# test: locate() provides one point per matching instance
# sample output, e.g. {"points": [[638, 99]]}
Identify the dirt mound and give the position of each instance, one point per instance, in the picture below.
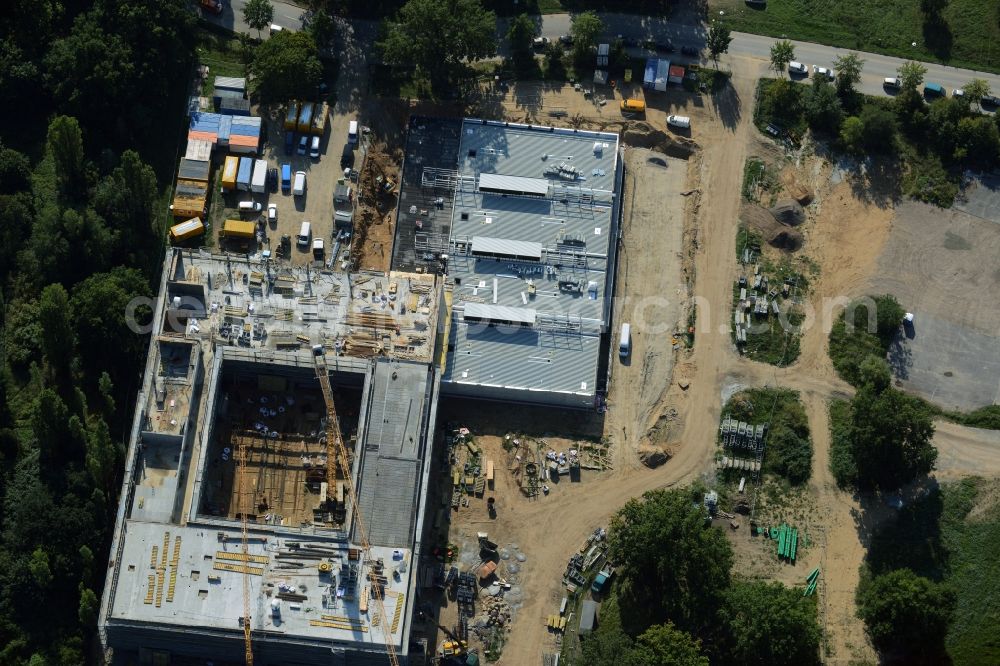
{"points": [[774, 233], [643, 135], [653, 457], [800, 193], [788, 211]]}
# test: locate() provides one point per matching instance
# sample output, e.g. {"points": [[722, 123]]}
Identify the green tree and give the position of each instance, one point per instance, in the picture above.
{"points": [[911, 75], [103, 456], [585, 30], [88, 608], [665, 645], [125, 200], [438, 35], [889, 435], [943, 117], [287, 66], [822, 106], [58, 340], [879, 134], [15, 171], [672, 566], [718, 41], [782, 53], [975, 90], [38, 564], [65, 146], [555, 66], [768, 623], [906, 615], [322, 27], [851, 133], [258, 14], [848, 68], [521, 34], [978, 138]]}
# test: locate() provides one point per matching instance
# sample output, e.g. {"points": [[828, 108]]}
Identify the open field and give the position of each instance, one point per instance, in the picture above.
{"points": [[967, 38]]}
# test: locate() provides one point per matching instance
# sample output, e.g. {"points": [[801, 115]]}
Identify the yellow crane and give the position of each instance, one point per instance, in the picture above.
{"points": [[334, 442], [241, 474]]}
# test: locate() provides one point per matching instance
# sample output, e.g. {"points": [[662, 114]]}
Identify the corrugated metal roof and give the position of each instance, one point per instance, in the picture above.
{"points": [[231, 82], [193, 169], [198, 150], [225, 128], [499, 313], [235, 105], [588, 616], [495, 182], [506, 247]]}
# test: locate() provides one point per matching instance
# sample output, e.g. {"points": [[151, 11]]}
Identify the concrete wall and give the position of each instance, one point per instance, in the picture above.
{"points": [[517, 396]]}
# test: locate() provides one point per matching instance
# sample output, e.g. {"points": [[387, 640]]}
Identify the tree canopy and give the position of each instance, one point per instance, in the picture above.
{"points": [[718, 41], [782, 53], [258, 14], [437, 35], [287, 66], [911, 75], [672, 565], [768, 623], [906, 615], [585, 30]]}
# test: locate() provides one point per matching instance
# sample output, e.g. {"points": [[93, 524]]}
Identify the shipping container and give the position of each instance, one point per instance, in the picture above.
{"points": [[319, 119], [305, 117], [220, 96], [225, 129], [189, 199], [235, 106], [244, 145], [244, 174], [194, 170], [662, 75], [676, 74], [292, 117], [231, 83], [211, 137], [198, 150], [186, 230], [649, 77], [259, 181], [229, 171], [238, 229]]}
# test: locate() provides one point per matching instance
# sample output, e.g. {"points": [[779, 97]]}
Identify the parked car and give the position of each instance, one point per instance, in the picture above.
{"points": [[891, 83], [991, 100], [213, 6], [824, 71], [289, 142], [314, 148], [665, 46], [934, 90], [272, 213], [250, 206], [692, 51], [566, 40], [681, 122], [539, 43], [628, 41], [303, 145], [286, 178], [798, 68], [272, 179], [958, 92]]}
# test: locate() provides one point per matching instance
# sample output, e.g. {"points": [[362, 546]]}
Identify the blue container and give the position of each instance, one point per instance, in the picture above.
{"points": [[225, 128], [244, 173]]}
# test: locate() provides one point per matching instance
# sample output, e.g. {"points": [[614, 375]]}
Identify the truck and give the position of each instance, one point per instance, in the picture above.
{"points": [[319, 119], [229, 172], [292, 117], [259, 181], [286, 178], [305, 117], [240, 229], [186, 230], [602, 578], [318, 248], [680, 122]]}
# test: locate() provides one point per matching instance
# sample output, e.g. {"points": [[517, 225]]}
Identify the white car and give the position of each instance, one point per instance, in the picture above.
{"points": [[958, 92], [682, 122], [272, 213], [824, 71], [798, 68], [890, 82]]}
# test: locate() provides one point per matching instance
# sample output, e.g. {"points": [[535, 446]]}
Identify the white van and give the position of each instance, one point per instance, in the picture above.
{"points": [[299, 186], [305, 233], [352, 132], [250, 206], [682, 122], [797, 68], [625, 341]]}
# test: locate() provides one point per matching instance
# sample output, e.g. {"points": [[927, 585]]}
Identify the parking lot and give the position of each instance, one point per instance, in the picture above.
{"points": [[315, 206]]}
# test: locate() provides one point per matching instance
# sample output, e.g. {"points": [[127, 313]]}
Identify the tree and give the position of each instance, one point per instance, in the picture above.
{"points": [[672, 566], [911, 75], [822, 106], [889, 434], [943, 118], [125, 199], [287, 66], [975, 90], [718, 41], [438, 35], [768, 623], [906, 615], [979, 139], [879, 134], [103, 456], [585, 29], [38, 565], [258, 14], [555, 67], [665, 645], [88, 608], [782, 53], [65, 146], [58, 340], [521, 35], [15, 171], [851, 132], [848, 69], [322, 27]]}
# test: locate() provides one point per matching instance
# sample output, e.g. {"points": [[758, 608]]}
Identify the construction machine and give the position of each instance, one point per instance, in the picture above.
{"points": [[335, 445]]}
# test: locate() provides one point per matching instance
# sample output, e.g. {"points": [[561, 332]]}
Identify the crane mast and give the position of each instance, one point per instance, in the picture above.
{"points": [[334, 443], [241, 472]]}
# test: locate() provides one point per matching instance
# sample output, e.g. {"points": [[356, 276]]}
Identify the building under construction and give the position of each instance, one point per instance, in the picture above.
{"points": [[231, 425]]}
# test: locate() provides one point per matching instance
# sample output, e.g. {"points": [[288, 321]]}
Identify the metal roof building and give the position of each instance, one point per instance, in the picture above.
{"points": [[531, 255]]}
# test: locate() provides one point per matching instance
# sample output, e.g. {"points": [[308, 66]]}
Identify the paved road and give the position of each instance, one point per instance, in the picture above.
{"points": [[286, 15]]}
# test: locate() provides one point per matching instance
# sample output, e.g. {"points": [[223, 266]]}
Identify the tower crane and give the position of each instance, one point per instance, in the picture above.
{"points": [[334, 443], [241, 473]]}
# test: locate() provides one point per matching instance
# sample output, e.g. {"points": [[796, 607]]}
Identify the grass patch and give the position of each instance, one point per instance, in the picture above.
{"points": [[779, 104], [223, 55], [867, 333], [747, 239], [757, 179], [985, 417], [841, 463], [967, 37], [772, 338], [789, 448], [927, 178]]}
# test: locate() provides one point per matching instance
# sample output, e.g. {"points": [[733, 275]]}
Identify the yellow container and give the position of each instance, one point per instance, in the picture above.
{"points": [[229, 172], [238, 229], [185, 230], [633, 106]]}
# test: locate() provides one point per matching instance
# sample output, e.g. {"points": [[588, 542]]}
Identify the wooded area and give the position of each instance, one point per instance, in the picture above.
{"points": [[94, 100]]}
